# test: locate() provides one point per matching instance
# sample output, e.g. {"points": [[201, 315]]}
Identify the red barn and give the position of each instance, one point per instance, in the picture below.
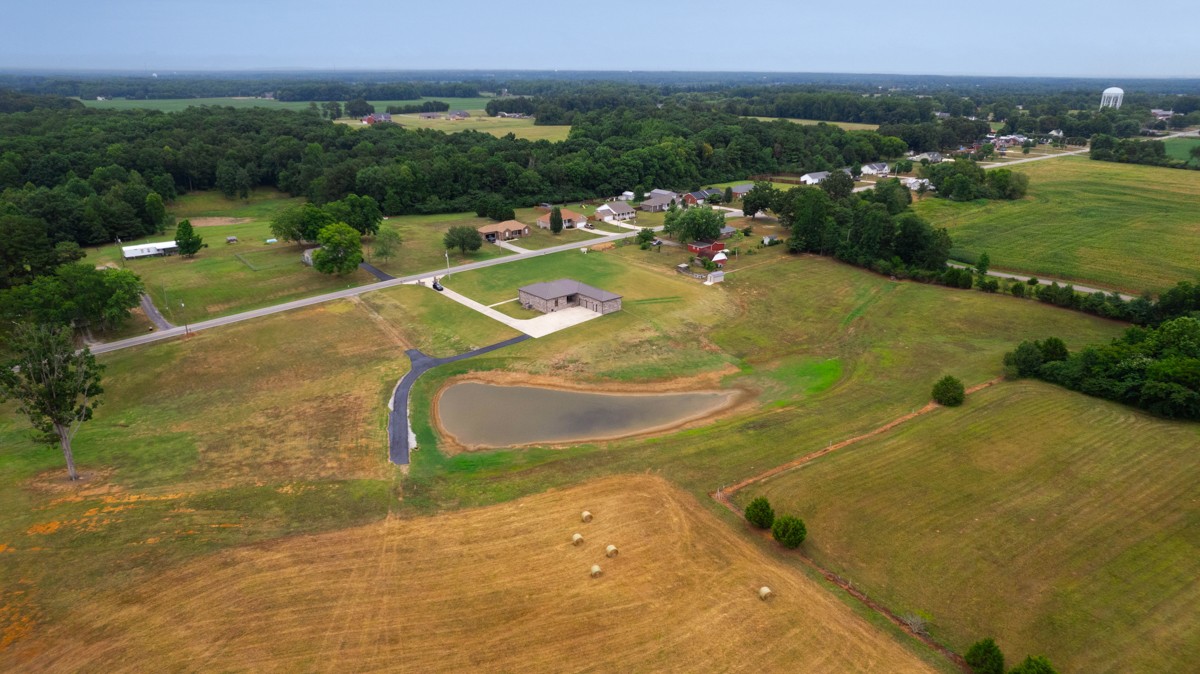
{"points": [[705, 246]]}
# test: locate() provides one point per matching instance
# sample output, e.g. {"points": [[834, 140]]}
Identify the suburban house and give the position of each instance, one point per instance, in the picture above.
{"points": [[933, 157], [740, 191], [879, 169], [616, 210], [915, 184], [701, 247], [564, 293], [503, 231], [698, 198], [150, 249], [571, 219], [626, 196], [814, 178], [656, 204], [663, 193], [728, 231]]}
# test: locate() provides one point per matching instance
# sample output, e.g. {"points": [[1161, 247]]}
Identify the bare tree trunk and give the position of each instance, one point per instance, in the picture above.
{"points": [[64, 439]]}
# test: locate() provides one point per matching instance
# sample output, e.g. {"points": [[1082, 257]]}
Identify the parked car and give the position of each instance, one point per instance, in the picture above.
{"points": [[437, 286]]}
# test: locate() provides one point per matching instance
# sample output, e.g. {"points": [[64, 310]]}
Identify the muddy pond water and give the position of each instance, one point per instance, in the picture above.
{"points": [[488, 415]]}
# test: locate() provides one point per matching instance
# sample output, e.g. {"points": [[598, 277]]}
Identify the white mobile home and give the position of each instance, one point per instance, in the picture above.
{"points": [[150, 249]]}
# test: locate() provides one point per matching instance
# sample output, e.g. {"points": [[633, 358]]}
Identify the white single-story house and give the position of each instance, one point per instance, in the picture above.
{"points": [[663, 193], [878, 169], [915, 184], [150, 249], [656, 204], [570, 219], [814, 178], [933, 157], [626, 196], [616, 210]]}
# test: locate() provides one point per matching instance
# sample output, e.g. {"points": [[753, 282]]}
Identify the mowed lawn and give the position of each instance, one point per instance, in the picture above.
{"points": [[228, 278], [1181, 149], [1057, 523], [423, 248], [1118, 226]]}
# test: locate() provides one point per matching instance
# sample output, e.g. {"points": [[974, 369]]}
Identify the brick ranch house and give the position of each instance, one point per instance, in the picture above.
{"points": [[564, 293], [503, 231], [571, 219]]}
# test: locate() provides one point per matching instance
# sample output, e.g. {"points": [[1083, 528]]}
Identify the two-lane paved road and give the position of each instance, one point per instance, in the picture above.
{"points": [[342, 294]]}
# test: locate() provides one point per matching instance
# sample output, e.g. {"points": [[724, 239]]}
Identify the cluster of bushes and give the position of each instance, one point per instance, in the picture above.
{"points": [[426, 106], [1131, 151], [788, 530], [1154, 368], [492, 206], [985, 657], [965, 180], [305, 222]]}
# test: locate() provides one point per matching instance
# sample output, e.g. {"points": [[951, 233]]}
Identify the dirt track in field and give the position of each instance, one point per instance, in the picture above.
{"points": [[217, 222], [496, 589]]}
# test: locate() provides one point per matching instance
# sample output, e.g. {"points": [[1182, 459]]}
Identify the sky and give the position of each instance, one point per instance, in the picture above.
{"points": [[1098, 38]]}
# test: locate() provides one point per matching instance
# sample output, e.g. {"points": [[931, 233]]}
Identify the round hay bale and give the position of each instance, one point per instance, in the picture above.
{"points": [[596, 571], [610, 551], [764, 593], [586, 516], [577, 539]]}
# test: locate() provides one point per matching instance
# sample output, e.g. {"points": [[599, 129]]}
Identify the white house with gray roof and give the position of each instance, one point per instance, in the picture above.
{"points": [[616, 210], [814, 178]]}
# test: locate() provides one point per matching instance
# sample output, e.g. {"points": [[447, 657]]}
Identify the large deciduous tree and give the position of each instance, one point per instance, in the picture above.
{"points": [[300, 223], [188, 240], [385, 244], [760, 197], [699, 224], [341, 249], [361, 213], [463, 238], [53, 384]]}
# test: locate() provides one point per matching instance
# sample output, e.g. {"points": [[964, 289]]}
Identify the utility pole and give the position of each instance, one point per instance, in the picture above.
{"points": [[447, 264], [186, 330]]}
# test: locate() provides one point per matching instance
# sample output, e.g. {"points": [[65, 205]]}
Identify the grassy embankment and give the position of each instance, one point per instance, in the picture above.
{"points": [[1058, 523], [1119, 226], [275, 427]]}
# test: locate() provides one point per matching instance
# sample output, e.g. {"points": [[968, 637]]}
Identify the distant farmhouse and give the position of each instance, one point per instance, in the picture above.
{"points": [[879, 169], [933, 157], [150, 250], [571, 219], [377, 117], [616, 210], [459, 114], [814, 178], [740, 191], [503, 231], [565, 293]]}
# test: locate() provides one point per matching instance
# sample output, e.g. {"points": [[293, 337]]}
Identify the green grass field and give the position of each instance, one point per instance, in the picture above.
{"points": [[1181, 148], [273, 427], [177, 104], [497, 126], [1118, 226], [1057, 523], [849, 126], [423, 250]]}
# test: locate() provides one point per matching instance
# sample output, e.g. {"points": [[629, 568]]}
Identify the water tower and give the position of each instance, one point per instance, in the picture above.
{"points": [[1112, 97]]}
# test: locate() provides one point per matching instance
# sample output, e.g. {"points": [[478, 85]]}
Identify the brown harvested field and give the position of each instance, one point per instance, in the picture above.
{"points": [[496, 589], [218, 222]]}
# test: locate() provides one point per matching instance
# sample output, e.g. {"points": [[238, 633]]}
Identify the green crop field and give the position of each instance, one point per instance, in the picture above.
{"points": [[1181, 148], [849, 126], [1057, 523], [479, 121], [1118, 226], [177, 104]]}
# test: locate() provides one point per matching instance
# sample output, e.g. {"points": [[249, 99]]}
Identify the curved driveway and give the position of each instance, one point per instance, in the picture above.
{"points": [[399, 423]]}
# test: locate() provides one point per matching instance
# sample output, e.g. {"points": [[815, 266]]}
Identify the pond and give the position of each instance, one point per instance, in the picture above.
{"points": [[488, 415]]}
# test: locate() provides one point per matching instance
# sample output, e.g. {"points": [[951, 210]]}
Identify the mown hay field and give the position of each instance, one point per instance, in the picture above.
{"points": [[496, 589], [1117, 226], [1057, 523]]}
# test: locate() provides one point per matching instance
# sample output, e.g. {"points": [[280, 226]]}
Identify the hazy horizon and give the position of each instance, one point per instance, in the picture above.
{"points": [[771, 37]]}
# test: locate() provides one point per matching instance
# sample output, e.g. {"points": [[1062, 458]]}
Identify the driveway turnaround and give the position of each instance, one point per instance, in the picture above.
{"points": [[534, 327], [401, 440]]}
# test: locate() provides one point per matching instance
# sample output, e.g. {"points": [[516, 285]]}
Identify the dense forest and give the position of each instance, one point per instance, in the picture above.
{"points": [[89, 174]]}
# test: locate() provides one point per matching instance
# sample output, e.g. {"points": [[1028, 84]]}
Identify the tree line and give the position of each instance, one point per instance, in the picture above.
{"points": [[1131, 151], [1153, 368]]}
